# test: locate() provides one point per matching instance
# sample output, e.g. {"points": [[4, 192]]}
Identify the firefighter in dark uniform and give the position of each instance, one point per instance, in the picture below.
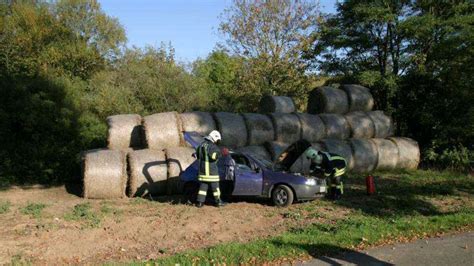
{"points": [[332, 166], [208, 153]]}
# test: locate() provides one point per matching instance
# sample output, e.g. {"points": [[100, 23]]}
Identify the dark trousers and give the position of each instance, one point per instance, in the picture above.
{"points": [[336, 187], [203, 191]]}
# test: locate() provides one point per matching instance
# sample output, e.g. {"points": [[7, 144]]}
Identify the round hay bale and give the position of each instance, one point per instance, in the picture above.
{"points": [[104, 173], [275, 148], [258, 151], [387, 154], [162, 130], [319, 146], [408, 153], [287, 127], [148, 173], [124, 131], [364, 154], [336, 126], [360, 124], [360, 98], [178, 159], [200, 122], [259, 128], [340, 147], [312, 127], [276, 104], [327, 100], [232, 128], [383, 125]]}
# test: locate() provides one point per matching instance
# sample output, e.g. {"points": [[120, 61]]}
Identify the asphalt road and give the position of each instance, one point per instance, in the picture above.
{"points": [[448, 250]]}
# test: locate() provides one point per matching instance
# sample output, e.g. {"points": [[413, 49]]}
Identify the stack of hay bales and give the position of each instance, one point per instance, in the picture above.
{"points": [[338, 121], [276, 104]]}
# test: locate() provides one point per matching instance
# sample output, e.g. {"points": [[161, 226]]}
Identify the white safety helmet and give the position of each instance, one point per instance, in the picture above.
{"points": [[214, 136]]}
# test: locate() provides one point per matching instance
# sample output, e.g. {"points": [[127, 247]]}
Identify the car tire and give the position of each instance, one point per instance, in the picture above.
{"points": [[282, 196], [191, 191]]}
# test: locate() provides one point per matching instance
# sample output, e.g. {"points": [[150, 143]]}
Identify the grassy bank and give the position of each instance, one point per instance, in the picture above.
{"points": [[407, 205]]}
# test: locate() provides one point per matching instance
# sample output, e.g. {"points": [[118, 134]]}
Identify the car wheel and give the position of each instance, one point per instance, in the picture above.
{"points": [[282, 196], [190, 191]]}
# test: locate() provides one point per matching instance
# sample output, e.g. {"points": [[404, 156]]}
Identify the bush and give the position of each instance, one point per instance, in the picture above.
{"points": [[457, 158]]}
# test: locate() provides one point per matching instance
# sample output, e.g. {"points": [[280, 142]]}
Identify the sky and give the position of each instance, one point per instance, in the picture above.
{"points": [[191, 26]]}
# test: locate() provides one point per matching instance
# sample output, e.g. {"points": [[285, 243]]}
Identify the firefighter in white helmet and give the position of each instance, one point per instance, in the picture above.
{"points": [[208, 153]]}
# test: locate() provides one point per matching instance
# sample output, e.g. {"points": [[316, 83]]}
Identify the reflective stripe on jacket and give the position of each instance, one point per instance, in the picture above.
{"points": [[332, 164], [208, 153]]}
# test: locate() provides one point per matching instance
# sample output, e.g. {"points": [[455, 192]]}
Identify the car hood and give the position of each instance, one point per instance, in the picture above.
{"points": [[193, 138], [290, 155]]}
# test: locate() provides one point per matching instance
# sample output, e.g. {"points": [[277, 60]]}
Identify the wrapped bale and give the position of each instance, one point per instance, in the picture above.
{"points": [[387, 154], [258, 151], [178, 159], [124, 131], [200, 122], [259, 128], [327, 100], [382, 124], [340, 147], [336, 126], [361, 126], [287, 127], [105, 174], [360, 98], [148, 173], [312, 127], [232, 128], [364, 154], [276, 104], [162, 130], [408, 153]]}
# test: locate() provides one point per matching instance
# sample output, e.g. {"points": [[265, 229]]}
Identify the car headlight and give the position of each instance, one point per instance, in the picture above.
{"points": [[310, 182]]}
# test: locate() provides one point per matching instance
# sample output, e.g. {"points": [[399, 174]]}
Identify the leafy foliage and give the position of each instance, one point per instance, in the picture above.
{"points": [[414, 55]]}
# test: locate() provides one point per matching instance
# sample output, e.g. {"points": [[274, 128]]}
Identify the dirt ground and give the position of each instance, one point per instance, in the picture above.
{"points": [[132, 229]]}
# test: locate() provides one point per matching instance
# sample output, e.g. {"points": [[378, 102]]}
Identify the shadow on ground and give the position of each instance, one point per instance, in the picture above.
{"points": [[396, 196], [335, 255]]}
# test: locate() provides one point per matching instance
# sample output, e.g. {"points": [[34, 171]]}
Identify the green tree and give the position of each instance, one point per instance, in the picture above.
{"points": [[270, 35], [414, 55]]}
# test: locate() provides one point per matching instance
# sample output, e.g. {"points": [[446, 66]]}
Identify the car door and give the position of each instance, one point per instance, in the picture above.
{"points": [[248, 180]]}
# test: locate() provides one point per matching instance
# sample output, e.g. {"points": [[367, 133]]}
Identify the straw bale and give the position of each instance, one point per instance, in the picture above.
{"points": [[200, 122], [383, 125], [124, 131], [312, 127], [360, 124], [360, 98], [364, 153], [232, 128], [287, 127], [327, 100], [276, 104], [341, 148], [162, 130], [387, 154], [259, 127], [258, 151], [178, 159], [408, 153], [148, 173], [104, 173], [336, 126]]}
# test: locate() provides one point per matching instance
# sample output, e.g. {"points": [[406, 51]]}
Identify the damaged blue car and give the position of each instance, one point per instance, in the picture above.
{"points": [[256, 177]]}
